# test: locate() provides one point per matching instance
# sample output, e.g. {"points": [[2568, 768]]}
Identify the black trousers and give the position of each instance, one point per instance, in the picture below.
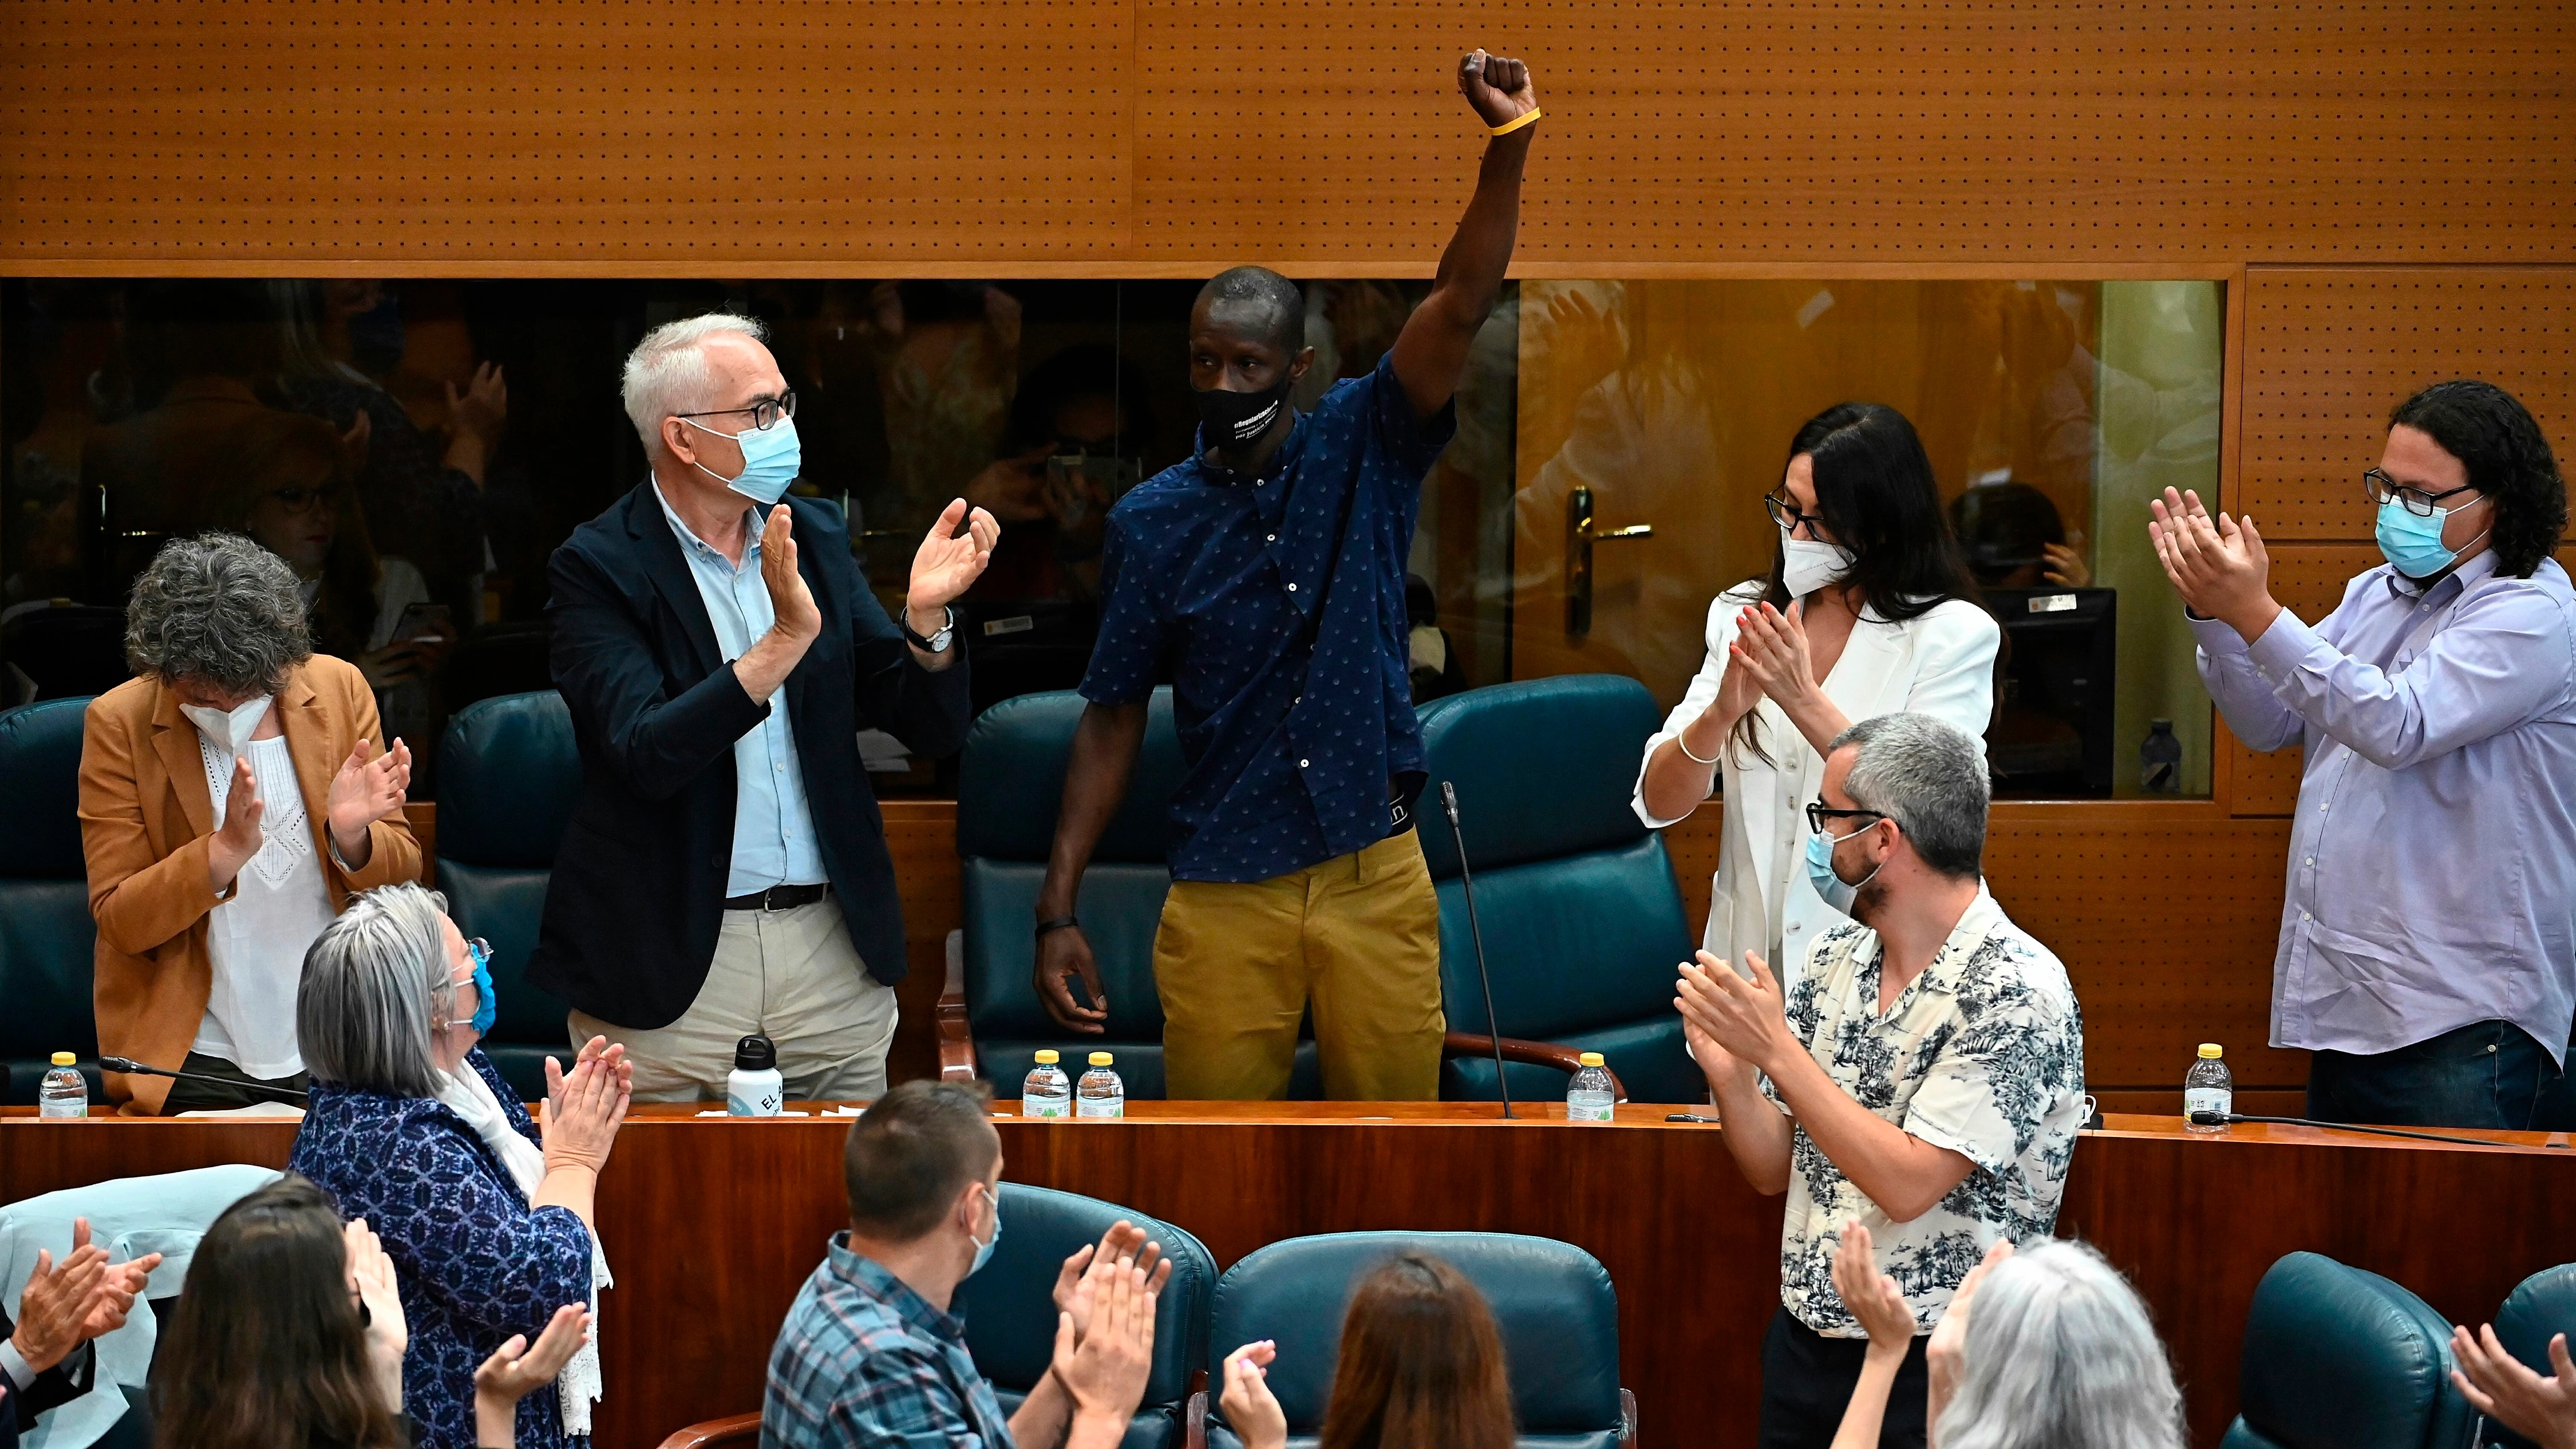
{"points": [[1807, 1382], [188, 1096]]}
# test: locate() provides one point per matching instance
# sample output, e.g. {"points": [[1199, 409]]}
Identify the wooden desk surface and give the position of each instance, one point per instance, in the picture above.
{"points": [[711, 1224]]}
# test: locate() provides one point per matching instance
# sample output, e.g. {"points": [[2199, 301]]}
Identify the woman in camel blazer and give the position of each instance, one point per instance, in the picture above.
{"points": [[232, 798]]}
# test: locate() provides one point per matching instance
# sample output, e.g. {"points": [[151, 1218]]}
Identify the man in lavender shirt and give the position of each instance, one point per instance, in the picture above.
{"points": [[2428, 942]]}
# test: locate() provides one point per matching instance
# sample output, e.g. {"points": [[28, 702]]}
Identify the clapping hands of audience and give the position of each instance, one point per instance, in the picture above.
{"points": [[69, 1303], [1727, 1019], [2218, 565], [364, 792], [1881, 1310], [1247, 1401], [519, 1368], [2499, 1386], [584, 1108], [1105, 1372], [1946, 1354], [1123, 1241], [371, 1279]]}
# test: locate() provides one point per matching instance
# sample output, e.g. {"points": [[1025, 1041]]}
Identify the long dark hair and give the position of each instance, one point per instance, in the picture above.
{"points": [[1875, 490], [2508, 459], [267, 1349], [1421, 1364]]}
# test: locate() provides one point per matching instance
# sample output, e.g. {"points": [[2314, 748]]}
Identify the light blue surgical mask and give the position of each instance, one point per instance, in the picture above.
{"points": [[487, 1007], [770, 459], [2414, 543], [1829, 885], [984, 1246]]}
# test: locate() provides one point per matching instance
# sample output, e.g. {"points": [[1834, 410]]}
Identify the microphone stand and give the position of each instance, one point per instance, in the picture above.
{"points": [[2226, 1119], [137, 1069], [1476, 933]]}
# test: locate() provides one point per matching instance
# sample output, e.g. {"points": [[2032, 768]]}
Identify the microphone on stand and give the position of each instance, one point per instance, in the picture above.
{"points": [[1476, 933], [134, 1068], [2224, 1119]]}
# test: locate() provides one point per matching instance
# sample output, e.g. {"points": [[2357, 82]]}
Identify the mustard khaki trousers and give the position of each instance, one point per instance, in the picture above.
{"points": [[1358, 936]]}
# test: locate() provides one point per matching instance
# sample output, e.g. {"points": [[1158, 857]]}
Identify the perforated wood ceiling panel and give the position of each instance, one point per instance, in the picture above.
{"points": [[1320, 134], [2329, 352]]}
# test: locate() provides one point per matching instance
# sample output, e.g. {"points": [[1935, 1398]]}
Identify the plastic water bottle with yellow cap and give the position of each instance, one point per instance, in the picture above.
{"points": [[1048, 1092], [64, 1092], [1589, 1096], [2208, 1087], [1100, 1093]]}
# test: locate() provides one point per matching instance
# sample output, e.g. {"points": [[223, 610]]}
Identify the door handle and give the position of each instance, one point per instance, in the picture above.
{"points": [[1579, 538]]}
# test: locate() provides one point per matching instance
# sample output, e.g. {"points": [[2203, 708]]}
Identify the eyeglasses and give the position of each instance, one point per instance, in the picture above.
{"points": [[2381, 488], [765, 412], [1785, 513], [1818, 814], [300, 500]]}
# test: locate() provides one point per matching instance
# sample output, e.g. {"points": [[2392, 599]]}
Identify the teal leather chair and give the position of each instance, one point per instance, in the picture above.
{"points": [[2336, 1358], [508, 776], [1010, 1310], [2540, 1308], [1552, 1301], [47, 939], [1583, 926], [1010, 781]]}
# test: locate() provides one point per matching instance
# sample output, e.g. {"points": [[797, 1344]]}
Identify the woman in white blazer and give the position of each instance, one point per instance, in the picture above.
{"points": [[1868, 610]]}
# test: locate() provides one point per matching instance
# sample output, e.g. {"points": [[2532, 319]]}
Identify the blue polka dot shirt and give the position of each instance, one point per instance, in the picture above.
{"points": [[1277, 603]]}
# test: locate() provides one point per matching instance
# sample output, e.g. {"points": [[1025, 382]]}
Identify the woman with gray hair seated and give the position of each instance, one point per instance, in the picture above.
{"points": [[488, 1217], [232, 799], [2045, 1348]]}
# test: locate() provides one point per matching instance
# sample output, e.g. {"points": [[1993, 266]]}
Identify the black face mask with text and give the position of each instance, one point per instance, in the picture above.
{"points": [[1233, 419]]}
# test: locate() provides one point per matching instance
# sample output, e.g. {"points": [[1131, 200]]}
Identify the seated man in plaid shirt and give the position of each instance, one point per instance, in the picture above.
{"points": [[870, 1354]]}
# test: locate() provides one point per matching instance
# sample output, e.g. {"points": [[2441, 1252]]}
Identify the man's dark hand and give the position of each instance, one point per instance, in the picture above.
{"points": [[1064, 955], [1499, 89]]}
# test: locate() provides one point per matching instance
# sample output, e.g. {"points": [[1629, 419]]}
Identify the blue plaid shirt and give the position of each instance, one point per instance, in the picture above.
{"points": [[1295, 729], [863, 1360]]}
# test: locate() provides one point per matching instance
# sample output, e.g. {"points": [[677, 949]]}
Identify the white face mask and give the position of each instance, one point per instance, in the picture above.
{"points": [[1806, 565], [228, 731]]}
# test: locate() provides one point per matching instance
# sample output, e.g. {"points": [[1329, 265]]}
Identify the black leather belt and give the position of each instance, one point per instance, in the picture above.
{"points": [[778, 898]]}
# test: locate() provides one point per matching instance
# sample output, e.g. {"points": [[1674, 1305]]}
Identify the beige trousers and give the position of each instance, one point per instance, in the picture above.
{"points": [[792, 976]]}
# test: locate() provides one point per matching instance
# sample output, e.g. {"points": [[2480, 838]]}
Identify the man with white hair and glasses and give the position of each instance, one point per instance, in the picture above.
{"points": [[725, 872], [1924, 1079]]}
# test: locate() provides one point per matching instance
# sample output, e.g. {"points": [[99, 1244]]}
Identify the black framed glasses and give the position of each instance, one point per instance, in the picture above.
{"points": [[2382, 488], [1818, 813], [1785, 513], [765, 412], [301, 500]]}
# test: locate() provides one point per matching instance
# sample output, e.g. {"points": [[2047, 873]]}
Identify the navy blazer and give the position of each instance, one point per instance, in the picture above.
{"points": [[637, 895]]}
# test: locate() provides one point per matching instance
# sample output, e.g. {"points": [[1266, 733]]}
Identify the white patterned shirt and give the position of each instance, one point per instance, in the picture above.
{"points": [[1982, 1054]]}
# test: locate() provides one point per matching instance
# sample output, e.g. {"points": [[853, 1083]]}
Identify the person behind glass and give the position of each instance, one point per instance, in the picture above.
{"points": [[1085, 401], [2044, 1349], [232, 799], [726, 872], [871, 1355], [45, 1355], [489, 1217], [291, 1331], [1924, 1078], [2428, 953], [1420, 1361], [1868, 610], [1266, 572]]}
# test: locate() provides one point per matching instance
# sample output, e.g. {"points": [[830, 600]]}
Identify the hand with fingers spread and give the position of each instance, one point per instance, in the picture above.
{"points": [[58, 1301], [1877, 1304], [112, 1298], [1124, 1243], [2217, 564], [1747, 1020], [1250, 1409], [519, 1368], [238, 838], [364, 792], [2506, 1390], [1105, 1374], [948, 563], [1946, 1353]]}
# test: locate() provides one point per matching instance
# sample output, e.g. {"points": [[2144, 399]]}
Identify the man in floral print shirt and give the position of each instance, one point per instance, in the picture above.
{"points": [[1925, 1078]]}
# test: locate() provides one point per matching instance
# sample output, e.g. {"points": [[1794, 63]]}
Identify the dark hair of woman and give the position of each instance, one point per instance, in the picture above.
{"points": [[267, 1350], [1421, 1364], [2508, 459], [1876, 493], [271, 450]]}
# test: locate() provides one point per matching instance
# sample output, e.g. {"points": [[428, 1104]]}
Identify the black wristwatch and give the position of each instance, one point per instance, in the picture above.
{"points": [[937, 643]]}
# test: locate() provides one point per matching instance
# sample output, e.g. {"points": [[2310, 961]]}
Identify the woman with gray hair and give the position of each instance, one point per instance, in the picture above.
{"points": [[232, 799], [487, 1215], [2045, 1348]]}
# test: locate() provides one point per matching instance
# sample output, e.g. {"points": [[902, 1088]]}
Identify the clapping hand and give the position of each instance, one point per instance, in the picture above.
{"points": [[1747, 1021], [238, 838], [583, 1112], [1771, 647], [371, 1277], [2219, 566], [1872, 1297], [1946, 1353], [597, 1049], [1124, 1243], [2499, 1386], [518, 1369], [949, 562], [1105, 1374], [794, 615], [1249, 1406], [364, 792], [1499, 89], [67, 1304]]}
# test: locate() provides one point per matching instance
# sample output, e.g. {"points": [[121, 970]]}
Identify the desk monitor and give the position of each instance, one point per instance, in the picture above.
{"points": [[2052, 736]]}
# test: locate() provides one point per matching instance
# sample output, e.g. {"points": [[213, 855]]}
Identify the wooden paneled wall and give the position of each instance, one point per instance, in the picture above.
{"points": [[811, 137]]}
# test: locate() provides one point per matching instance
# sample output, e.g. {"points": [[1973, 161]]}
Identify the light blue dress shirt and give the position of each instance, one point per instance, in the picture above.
{"points": [[2433, 859], [773, 827]]}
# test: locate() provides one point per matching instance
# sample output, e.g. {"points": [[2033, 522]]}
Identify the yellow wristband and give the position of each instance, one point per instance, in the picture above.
{"points": [[1516, 122]]}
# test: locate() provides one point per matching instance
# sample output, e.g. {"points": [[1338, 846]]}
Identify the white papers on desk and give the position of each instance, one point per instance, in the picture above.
{"points": [[754, 1119], [255, 1109]]}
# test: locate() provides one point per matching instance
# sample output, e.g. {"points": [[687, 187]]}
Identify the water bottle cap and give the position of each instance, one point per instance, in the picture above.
{"points": [[1047, 1058], [1101, 1059], [754, 1053], [1590, 1059], [64, 1059], [2209, 1051]]}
